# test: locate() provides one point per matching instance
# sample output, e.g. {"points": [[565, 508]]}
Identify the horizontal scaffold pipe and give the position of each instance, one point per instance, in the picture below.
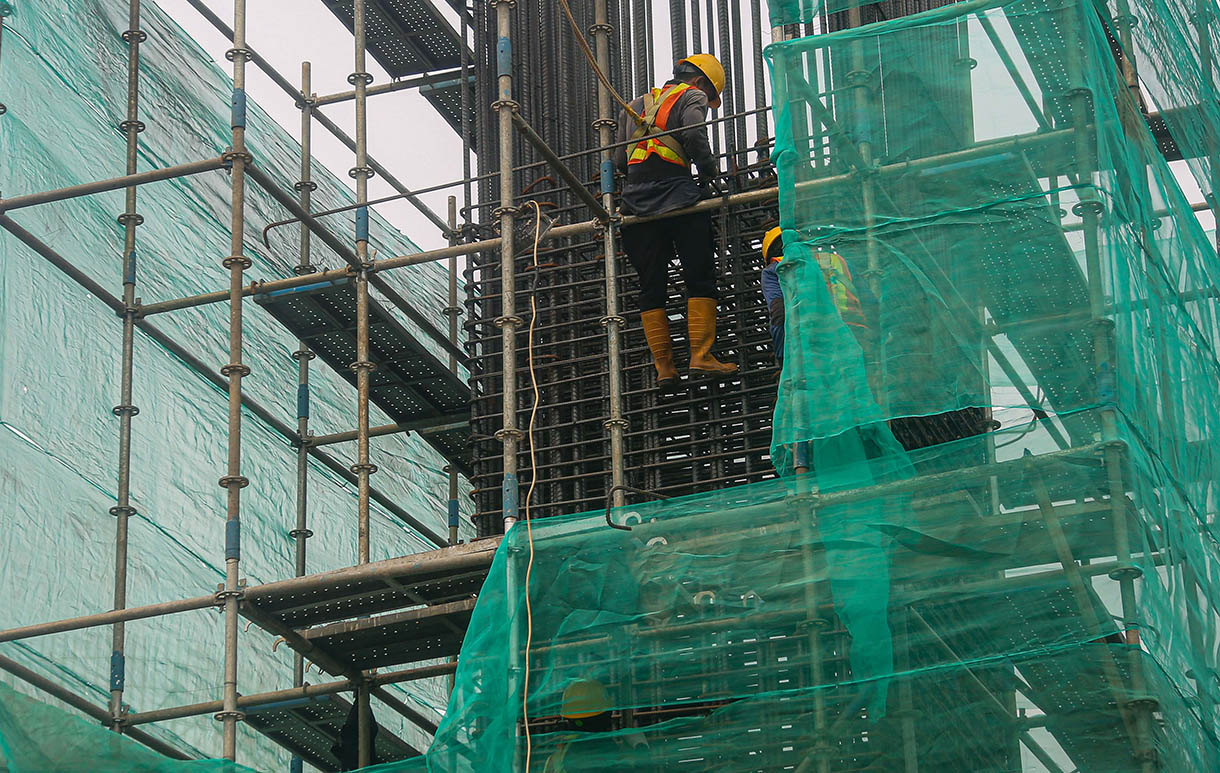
{"points": [[421, 427], [113, 184], [87, 708], [197, 365], [292, 693], [1032, 141], [108, 618], [434, 80]]}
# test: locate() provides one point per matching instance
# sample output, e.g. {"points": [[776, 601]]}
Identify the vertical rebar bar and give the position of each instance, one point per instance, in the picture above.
{"points": [[508, 322], [696, 32], [125, 410], [640, 46], [677, 28], [613, 321], [305, 187], [737, 81], [760, 75], [465, 117], [452, 311], [234, 481]]}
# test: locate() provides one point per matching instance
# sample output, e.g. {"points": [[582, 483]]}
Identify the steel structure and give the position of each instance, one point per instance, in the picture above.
{"points": [[600, 428]]}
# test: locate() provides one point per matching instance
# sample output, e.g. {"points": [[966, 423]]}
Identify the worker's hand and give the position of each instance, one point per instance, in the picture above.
{"points": [[709, 188]]}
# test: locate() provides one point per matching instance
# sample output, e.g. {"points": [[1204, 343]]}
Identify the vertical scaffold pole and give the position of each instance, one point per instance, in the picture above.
{"points": [[452, 310], [301, 533], [363, 365], [1137, 707], [613, 321], [508, 322], [234, 481], [125, 410]]}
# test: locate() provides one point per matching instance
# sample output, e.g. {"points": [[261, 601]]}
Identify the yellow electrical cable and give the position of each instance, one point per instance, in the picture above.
{"points": [[601, 76], [529, 494]]}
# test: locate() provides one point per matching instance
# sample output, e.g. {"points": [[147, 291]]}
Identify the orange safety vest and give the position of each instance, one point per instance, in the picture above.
{"points": [[839, 283], [657, 105]]}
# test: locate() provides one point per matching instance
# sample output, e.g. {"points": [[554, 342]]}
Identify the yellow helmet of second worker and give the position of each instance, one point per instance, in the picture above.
{"points": [[710, 66], [584, 698], [768, 239]]}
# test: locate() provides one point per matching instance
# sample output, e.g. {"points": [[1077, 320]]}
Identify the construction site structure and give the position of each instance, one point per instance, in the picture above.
{"points": [[977, 536]]}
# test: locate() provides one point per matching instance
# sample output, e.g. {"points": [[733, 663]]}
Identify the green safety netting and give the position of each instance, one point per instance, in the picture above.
{"points": [[63, 74], [1000, 551]]}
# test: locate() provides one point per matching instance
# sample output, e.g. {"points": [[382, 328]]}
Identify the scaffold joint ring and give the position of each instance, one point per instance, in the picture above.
{"points": [[303, 354], [499, 212], [221, 716], [138, 35], [137, 125], [452, 311], [357, 171], [118, 510], [612, 423], [236, 260], [596, 28], [306, 533], [502, 103], [245, 53], [509, 432], [612, 319], [360, 365], [356, 469], [3, 108], [130, 410], [512, 320], [304, 268], [510, 3], [301, 185], [1092, 206], [356, 76], [609, 123], [229, 156], [241, 481], [130, 217], [238, 368]]}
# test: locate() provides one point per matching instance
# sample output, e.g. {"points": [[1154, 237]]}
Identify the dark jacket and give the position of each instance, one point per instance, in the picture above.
{"points": [[656, 186]]}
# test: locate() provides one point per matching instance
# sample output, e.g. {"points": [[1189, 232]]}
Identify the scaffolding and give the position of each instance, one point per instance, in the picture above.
{"points": [[602, 432]]}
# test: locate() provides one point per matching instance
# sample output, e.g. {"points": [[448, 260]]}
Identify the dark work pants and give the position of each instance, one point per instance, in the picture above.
{"points": [[652, 246]]}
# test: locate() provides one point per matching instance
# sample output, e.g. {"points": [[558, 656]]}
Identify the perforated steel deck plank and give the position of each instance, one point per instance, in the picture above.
{"points": [[410, 383], [309, 727], [406, 37], [401, 637]]}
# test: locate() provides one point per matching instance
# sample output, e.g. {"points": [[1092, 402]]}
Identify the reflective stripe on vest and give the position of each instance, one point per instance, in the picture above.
{"points": [[657, 105], [840, 285]]}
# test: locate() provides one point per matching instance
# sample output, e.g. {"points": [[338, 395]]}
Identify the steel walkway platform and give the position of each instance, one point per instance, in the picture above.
{"points": [[394, 612], [410, 383], [309, 728]]}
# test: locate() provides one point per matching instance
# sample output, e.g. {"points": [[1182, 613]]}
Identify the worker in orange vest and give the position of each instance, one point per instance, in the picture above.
{"points": [[838, 283], [659, 180]]}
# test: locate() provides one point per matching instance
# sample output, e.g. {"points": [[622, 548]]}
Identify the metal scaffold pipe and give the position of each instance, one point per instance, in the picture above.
{"points": [[615, 423], [452, 310], [108, 618], [363, 365], [233, 481], [508, 321], [126, 410], [301, 533], [114, 183]]}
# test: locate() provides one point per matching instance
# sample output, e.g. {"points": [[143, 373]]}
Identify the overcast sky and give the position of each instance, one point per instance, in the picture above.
{"points": [[406, 134]]}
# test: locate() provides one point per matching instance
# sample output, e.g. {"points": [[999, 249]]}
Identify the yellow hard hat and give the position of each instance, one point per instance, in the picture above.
{"points": [[711, 67], [584, 698], [768, 239]]}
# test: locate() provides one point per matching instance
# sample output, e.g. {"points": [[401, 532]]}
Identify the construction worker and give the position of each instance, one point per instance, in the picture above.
{"points": [[838, 282], [657, 168], [585, 709]]}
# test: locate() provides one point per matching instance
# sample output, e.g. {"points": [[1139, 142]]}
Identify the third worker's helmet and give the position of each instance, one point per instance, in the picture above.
{"points": [[714, 71]]}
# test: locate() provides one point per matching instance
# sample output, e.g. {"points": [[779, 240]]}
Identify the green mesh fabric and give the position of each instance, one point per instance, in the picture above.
{"points": [[63, 73], [991, 546], [36, 737]]}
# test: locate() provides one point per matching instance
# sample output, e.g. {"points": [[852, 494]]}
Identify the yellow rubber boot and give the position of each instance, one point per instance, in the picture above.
{"points": [[656, 331], [701, 323]]}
